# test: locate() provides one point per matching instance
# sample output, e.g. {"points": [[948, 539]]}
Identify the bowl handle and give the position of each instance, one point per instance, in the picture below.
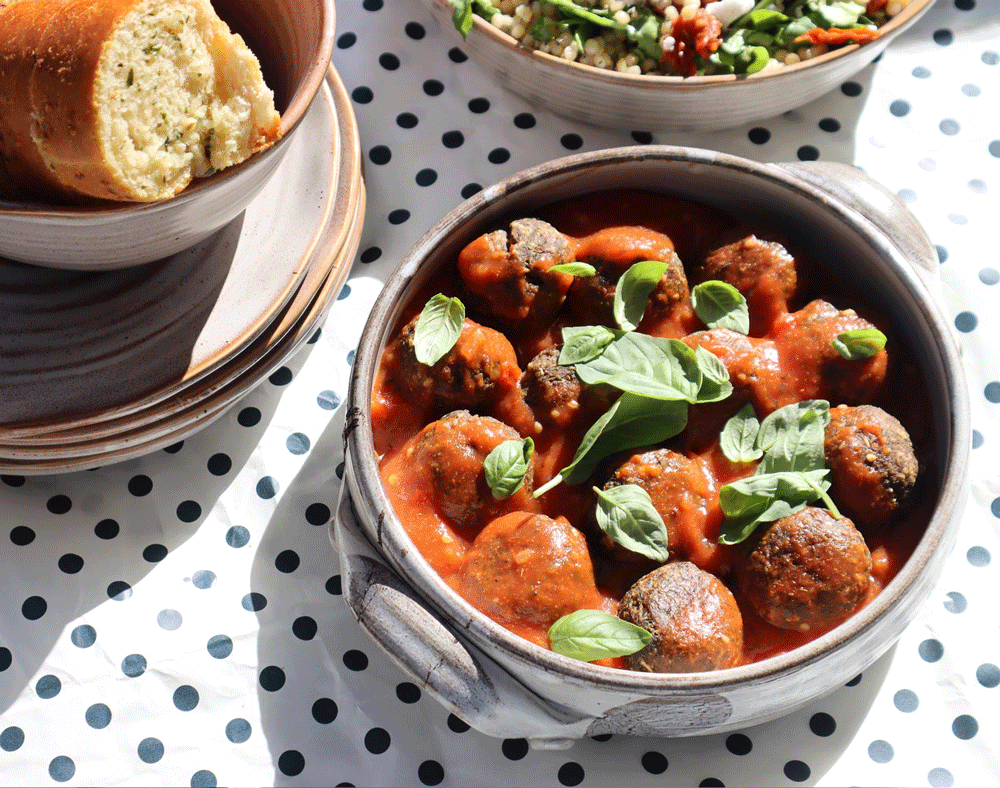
{"points": [[881, 208], [461, 677]]}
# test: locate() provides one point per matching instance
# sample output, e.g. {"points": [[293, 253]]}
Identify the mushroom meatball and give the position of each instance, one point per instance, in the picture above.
{"points": [[763, 271], [508, 272], [530, 568], [479, 369], [873, 468], [680, 493], [694, 619], [556, 395], [612, 252], [808, 570], [453, 450]]}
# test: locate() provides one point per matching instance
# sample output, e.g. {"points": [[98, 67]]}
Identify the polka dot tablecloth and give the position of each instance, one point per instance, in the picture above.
{"points": [[178, 619]]}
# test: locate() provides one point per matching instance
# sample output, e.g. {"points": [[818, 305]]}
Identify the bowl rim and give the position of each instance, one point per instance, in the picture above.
{"points": [[364, 474], [658, 81], [16, 209]]}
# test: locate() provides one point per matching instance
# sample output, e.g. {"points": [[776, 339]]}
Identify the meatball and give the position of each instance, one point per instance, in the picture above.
{"points": [[508, 272], [557, 396], [479, 369], [763, 271], [817, 370], [680, 493], [453, 450], [529, 568], [612, 252], [873, 468], [808, 570], [694, 619]]}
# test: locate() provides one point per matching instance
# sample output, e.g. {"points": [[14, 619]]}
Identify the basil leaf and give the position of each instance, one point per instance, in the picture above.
{"points": [[738, 440], [765, 498], [461, 16], [759, 57], [644, 32], [792, 437], [797, 27], [506, 467], [584, 343], [715, 385], [648, 366], [574, 269], [627, 515], [765, 19], [720, 305], [593, 634], [438, 328], [633, 290], [859, 343]]}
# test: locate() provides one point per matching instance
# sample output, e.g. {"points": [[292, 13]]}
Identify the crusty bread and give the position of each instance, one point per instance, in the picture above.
{"points": [[125, 99]]}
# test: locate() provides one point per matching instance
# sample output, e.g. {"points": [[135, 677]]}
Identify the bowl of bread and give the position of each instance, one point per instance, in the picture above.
{"points": [[132, 129]]}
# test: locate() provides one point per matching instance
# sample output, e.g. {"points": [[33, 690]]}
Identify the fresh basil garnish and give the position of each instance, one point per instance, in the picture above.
{"points": [[859, 343], [593, 634], [627, 515], [461, 15], [633, 290], [584, 343], [792, 437], [738, 440], [574, 269], [506, 467], [648, 366], [720, 305], [834, 13], [438, 328], [765, 498], [715, 385]]}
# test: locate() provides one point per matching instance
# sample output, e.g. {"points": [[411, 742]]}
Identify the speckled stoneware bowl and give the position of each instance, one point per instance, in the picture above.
{"points": [[657, 103], [506, 686], [293, 40]]}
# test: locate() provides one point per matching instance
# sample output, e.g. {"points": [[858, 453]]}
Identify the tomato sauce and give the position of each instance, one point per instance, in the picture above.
{"points": [[777, 364]]}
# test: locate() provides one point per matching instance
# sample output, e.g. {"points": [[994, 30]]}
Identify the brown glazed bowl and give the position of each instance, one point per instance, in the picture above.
{"points": [[293, 40], [508, 687]]}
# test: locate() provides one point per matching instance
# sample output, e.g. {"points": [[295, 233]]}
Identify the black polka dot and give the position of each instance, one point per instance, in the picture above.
{"points": [[11, 480], [930, 650], [169, 619], [388, 61], [398, 216], [405, 120], [992, 392], [944, 37], [59, 504], [415, 30], [453, 139], [380, 154], [642, 137], [155, 553], [797, 771], [514, 749], [34, 607], [134, 665], [971, 90], [602, 737], [880, 751], [830, 125], [808, 153], [377, 741], [855, 681], [98, 716], [22, 536], [966, 322], [267, 487], [237, 536], [62, 768], [339, 470], [329, 400], [571, 141], [70, 563], [6, 658], [248, 417], [426, 177], [990, 58], [355, 660], [956, 602], [185, 697], [525, 120], [219, 464], [469, 189], [654, 762], [173, 448], [106, 529], [988, 675], [408, 692], [940, 778], [188, 511], [711, 782], [318, 514], [977, 441], [965, 5], [499, 156], [203, 578], [899, 108], [150, 750], [906, 701], [324, 711], [282, 376], [48, 686], [456, 55], [822, 724], [430, 773], [965, 726], [362, 95], [203, 778], [287, 561], [942, 253], [333, 586], [238, 730], [950, 126], [851, 89], [291, 763], [739, 744], [254, 601], [433, 87], [272, 678], [994, 148], [479, 105], [220, 646], [759, 135], [83, 636], [304, 628], [140, 485], [346, 41], [457, 725], [11, 739], [571, 773]]}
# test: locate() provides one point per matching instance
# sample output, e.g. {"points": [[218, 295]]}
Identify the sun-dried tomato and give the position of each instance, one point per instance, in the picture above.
{"points": [[835, 36], [698, 34], [874, 6]]}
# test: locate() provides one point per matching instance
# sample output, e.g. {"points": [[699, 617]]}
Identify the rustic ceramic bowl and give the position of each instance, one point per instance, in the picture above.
{"points": [[508, 687], [654, 103], [293, 40]]}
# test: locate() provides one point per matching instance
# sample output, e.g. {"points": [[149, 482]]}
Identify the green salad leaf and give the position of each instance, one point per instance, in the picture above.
{"points": [[587, 635]]}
